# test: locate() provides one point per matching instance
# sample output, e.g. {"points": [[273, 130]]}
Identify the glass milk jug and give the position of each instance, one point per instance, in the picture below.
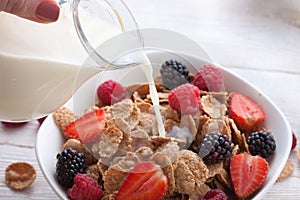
{"points": [[40, 62]]}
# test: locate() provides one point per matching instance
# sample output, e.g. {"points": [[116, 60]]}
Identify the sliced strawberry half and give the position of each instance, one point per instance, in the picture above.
{"points": [[87, 128], [145, 181], [245, 112], [247, 173]]}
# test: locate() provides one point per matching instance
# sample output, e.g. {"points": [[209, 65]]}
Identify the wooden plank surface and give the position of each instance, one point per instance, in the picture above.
{"points": [[259, 40]]}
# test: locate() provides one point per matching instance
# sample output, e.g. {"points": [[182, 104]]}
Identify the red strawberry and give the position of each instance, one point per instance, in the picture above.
{"points": [[13, 124], [88, 127], [145, 181], [294, 144], [247, 173], [111, 92], [209, 78], [41, 120], [245, 112], [185, 99]]}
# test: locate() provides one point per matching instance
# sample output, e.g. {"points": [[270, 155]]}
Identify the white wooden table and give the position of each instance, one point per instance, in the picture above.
{"points": [[259, 40]]}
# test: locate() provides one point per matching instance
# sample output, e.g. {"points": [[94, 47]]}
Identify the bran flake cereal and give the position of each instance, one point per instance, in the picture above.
{"points": [[212, 107], [63, 117]]}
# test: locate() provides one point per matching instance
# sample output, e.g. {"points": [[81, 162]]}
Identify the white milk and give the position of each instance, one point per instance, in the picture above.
{"points": [[155, 100], [39, 64], [148, 69]]}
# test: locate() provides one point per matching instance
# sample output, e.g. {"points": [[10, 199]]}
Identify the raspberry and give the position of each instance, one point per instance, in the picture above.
{"points": [[111, 92], [185, 99], [69, 164], [209, 78], [174, 74], [215, 147], [261, 143], [294, 144], [215, 194], [85, 188]]}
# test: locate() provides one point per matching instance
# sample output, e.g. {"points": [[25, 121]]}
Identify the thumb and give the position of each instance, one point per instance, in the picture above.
{"points": [[36, 10]]}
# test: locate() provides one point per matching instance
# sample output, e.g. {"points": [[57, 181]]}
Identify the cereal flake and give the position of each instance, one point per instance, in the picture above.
{"points": [[286, 172]]}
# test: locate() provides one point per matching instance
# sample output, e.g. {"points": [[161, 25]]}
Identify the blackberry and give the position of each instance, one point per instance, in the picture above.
{"points": [[261, 143], [215, 147], [69, 164], [174, 74]]}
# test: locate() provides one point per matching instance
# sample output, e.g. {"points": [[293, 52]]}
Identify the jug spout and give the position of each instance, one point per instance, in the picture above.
{"points": [[112, 11]]}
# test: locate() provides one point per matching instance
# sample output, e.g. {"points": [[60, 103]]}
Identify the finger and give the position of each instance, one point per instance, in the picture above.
{"points": [[36, 10]]}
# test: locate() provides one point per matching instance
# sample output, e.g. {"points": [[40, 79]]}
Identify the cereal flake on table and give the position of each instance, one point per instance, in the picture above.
{"points": [[286, 172], [20, 175]]}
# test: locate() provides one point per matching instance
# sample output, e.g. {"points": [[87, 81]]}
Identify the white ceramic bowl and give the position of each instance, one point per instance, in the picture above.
{"points": [[49, 139]]}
